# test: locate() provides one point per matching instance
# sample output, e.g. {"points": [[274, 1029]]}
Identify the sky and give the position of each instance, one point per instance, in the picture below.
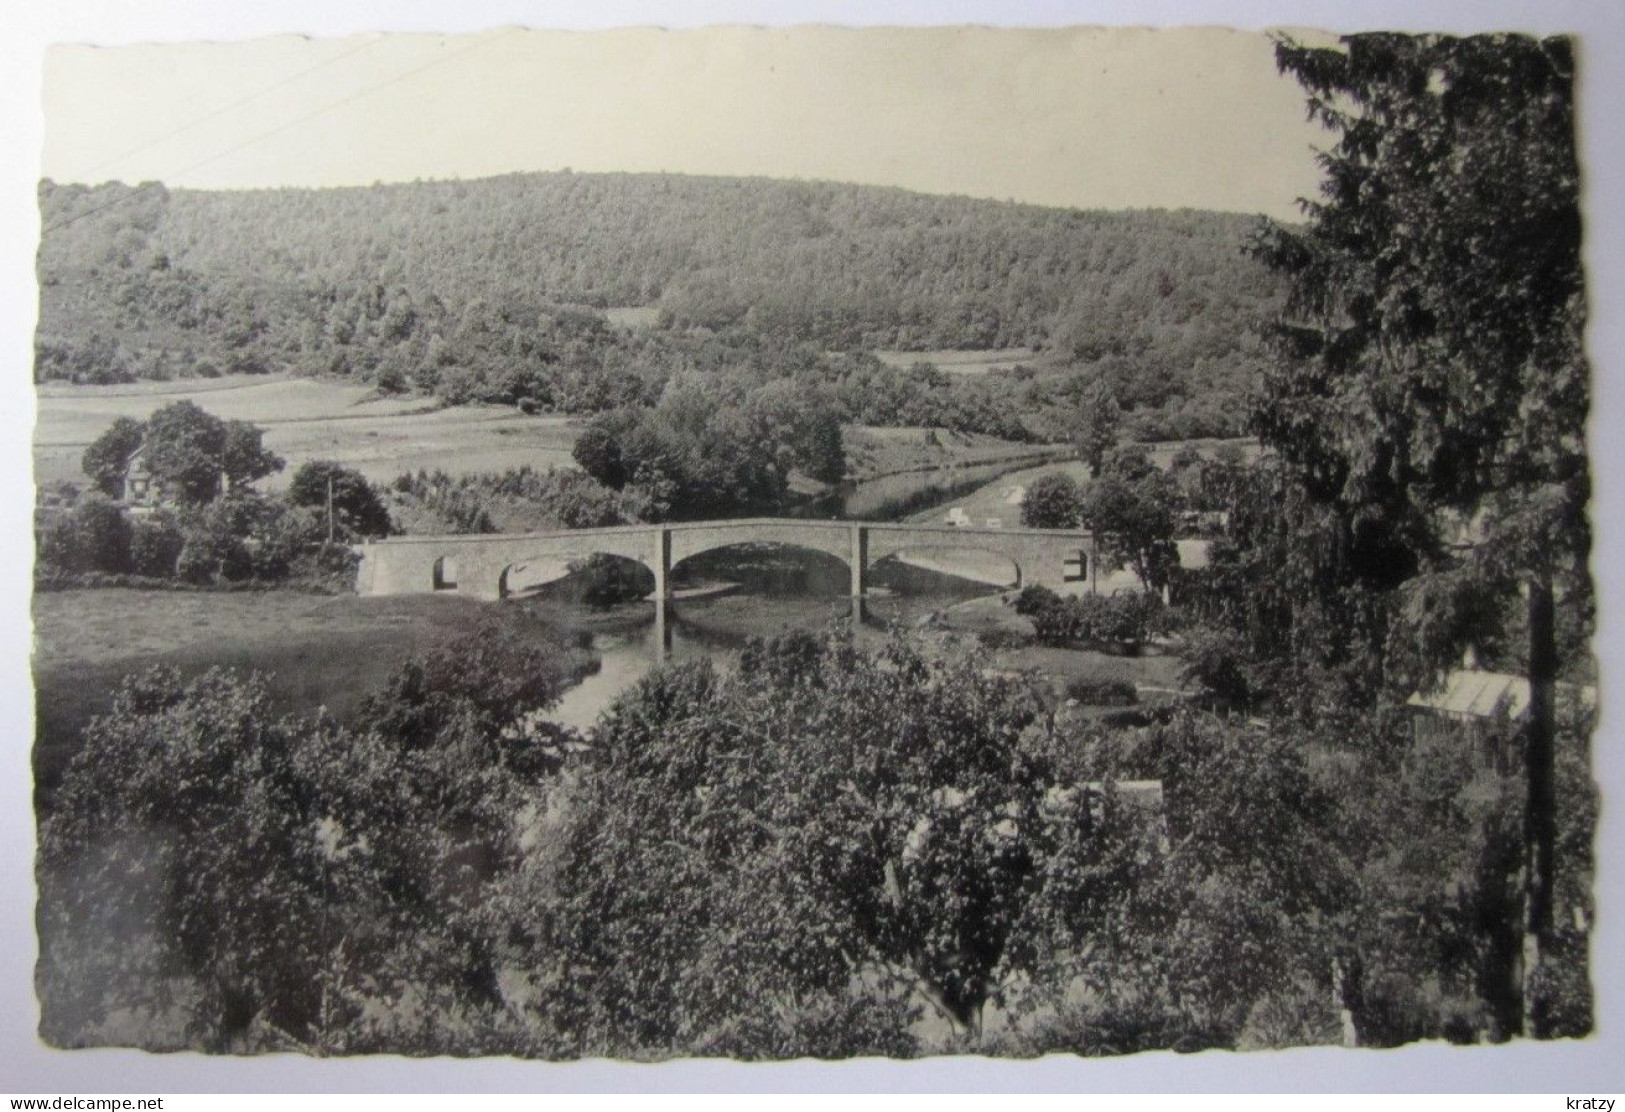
{"points": [[1088, 118]]}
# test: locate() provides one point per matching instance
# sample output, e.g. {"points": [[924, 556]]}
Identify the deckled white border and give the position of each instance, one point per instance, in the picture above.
{"points": [[1597, 1065]]}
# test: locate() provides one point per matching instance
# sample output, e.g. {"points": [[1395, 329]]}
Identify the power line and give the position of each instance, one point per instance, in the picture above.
{"points": [[296, 121], [223, 109]]}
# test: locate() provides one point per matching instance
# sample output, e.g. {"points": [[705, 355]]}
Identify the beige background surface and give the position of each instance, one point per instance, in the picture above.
{"points": [[1593, 1066]]}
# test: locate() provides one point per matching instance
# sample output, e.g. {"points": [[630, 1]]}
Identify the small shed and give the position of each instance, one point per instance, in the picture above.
{"points": [[1474, 702]]}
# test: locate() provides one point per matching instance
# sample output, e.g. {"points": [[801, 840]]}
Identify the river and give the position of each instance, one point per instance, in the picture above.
{"points": [[723, 598]]}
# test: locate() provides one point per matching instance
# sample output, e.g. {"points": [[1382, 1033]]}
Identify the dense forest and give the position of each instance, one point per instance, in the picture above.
{"points": [[490, 290]]}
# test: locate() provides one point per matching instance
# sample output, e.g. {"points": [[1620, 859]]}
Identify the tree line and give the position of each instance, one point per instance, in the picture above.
{"points": [[202, 522], [487, 290]]}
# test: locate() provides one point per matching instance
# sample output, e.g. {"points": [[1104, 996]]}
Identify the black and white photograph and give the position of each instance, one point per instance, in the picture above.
{"points": [[761, 543]]}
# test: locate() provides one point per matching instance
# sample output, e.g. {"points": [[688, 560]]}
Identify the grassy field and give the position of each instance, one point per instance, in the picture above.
{"points": [[872, 451], [316, 650], [999, 499], [310, 419]]}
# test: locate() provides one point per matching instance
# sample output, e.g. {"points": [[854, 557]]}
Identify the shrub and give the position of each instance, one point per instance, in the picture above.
{"points": [[1102, 693], [155, 546], [1123, 621], [1053, 501], [92, 536], [1216, 660]]}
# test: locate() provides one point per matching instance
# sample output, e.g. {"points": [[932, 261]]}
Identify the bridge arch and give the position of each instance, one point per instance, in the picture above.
{"points": [[530, 574], [759, 564], [832, 538], [445, 573]]}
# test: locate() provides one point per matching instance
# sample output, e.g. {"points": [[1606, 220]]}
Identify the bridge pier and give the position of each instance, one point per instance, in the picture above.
{"points": [[660, 564], [663, 623], [859, 560]]}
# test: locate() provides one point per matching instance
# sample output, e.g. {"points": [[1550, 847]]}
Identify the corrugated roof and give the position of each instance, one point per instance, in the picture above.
{"points": [[1488, 695]]}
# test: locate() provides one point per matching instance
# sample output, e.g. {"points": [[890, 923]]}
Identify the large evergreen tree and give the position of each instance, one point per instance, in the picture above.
{"points": [[1433, 392]]}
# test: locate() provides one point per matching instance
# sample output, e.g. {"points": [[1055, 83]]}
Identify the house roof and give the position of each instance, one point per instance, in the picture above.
{"points": [[1470, 692], [1193, 554]]}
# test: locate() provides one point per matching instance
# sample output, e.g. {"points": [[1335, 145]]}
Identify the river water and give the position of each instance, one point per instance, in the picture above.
{"points": [[725, 597], [743, 592]]}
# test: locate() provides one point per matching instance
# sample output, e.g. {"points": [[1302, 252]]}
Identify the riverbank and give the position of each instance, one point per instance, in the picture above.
{"points": [[328, 651]]}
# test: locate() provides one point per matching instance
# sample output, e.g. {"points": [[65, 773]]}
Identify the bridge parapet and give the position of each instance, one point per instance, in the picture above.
{"points": [[478, 564]]}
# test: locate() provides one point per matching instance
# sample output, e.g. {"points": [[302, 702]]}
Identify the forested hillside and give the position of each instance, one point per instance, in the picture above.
{"points": [[485, 289]]}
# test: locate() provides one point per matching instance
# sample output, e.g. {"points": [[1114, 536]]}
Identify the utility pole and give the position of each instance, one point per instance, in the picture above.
{"points": [[329, 509], [1540, 805]]}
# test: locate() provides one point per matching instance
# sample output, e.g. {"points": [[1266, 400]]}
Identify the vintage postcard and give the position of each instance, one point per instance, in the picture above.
{"points": [[779, 542]]}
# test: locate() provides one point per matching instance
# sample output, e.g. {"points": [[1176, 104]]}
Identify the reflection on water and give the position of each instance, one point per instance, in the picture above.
{"points": [[749, 591], [777, 590], [892, 497]]}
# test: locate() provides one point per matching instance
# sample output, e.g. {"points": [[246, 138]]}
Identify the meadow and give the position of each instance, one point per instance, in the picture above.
{"points": [[316, 651], [307, 419], [384, 436], [1001, 499]]}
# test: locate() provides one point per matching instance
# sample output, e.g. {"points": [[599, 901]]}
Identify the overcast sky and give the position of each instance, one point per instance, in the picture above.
{"points": [[1089, 118]]}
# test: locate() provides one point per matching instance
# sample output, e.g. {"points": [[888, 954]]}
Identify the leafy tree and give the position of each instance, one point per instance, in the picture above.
{"points": [[357, 508], [93, 535], [755, 851], [1098, 424], [1241, 913], [802, 422], [244, 457], [598, 450], [191, 855], [1134, 520], [108, 456], [381, 845], [1435, 369], [1053, 501], [186, 451]]}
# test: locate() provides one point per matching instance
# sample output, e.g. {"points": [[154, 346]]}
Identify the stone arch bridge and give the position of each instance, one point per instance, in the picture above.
{"points": [[479, 564]]}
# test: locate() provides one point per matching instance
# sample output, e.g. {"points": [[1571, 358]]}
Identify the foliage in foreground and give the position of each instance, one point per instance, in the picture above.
{"points": [[1121, 622], [831, 851]]}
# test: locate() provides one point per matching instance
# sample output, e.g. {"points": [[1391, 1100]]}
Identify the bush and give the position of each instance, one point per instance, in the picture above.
{"points": [[155, 546], [209, 558], [1122, 622], [1102, 693], [1053, 501], [92, 536], [1216, 660]]}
